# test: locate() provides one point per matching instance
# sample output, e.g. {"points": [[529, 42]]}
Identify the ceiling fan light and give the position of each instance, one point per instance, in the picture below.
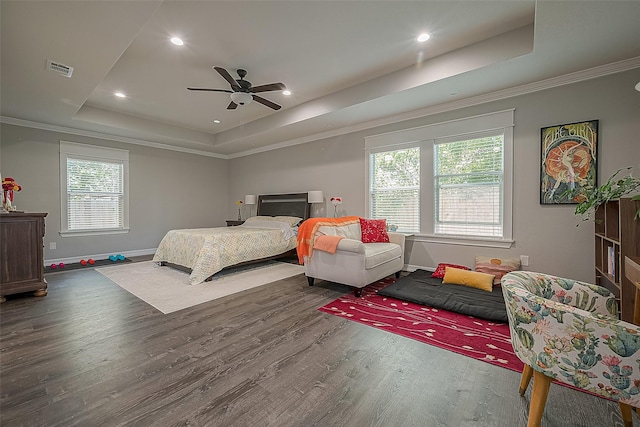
{"points": [[241, 98]]}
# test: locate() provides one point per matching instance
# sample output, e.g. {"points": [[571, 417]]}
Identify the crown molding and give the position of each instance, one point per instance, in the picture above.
{"points": [[106, 136], [575, 77]]}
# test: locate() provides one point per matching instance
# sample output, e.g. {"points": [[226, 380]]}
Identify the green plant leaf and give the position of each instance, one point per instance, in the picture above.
{"points": [[591, 197]]}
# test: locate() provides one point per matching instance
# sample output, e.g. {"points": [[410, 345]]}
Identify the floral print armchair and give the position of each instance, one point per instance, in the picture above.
{"points": [[568, 331]]}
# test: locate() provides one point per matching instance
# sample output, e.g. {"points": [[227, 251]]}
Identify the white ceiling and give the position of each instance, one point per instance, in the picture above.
{"points": [[348, 63]]}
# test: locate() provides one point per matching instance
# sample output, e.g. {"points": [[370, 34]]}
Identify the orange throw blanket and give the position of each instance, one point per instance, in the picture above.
{"points": [[307, 233], [327, 243]]}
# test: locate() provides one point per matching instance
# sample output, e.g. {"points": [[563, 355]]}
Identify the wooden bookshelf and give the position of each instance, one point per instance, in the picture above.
{"points": [[617, 235]]}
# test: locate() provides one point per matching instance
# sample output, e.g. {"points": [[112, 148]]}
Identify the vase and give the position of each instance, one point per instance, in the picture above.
{"points": [[239, 217], [6, 202]]}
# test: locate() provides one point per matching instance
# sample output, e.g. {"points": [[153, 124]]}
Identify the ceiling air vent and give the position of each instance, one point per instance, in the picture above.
{"points": [[56, 67]]}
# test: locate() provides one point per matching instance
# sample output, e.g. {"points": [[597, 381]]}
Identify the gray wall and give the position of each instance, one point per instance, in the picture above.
{"points": [[167, 190], [548, 234], [176, 190]]}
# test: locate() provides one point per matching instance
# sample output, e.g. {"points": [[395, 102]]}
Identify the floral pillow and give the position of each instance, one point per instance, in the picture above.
{"points": [[442, 267], [374, 230], [496, 266]]}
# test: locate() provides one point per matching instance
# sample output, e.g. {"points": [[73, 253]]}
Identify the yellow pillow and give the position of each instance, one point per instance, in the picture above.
{"points": [[472, 279]]}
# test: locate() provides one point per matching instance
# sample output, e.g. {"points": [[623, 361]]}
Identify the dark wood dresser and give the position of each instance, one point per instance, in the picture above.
{"points": [[22, 254]]}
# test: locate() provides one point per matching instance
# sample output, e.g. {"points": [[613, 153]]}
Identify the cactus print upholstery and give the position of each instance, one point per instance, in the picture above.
{"points": [[569, 331]]}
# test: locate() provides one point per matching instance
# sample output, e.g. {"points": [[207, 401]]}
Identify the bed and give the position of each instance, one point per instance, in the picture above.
{"points": [[205, 251]]}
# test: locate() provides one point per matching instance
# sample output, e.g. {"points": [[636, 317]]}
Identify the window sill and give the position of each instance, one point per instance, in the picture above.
{"points": [[464, 241], [84, 233]]}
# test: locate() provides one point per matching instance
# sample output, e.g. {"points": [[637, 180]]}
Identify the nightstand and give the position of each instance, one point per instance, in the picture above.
{"points": [[234, 222]]}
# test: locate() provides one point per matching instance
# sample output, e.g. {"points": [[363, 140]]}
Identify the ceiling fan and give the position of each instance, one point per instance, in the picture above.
{"points": [[242, 92]]}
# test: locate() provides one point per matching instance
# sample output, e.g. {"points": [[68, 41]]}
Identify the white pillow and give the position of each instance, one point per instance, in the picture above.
{"points": [[258, 218], [291, 220], [287, 231]]}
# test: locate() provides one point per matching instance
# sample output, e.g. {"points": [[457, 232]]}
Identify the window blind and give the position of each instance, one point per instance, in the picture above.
{"points": [[95, 196], [468, 187], [394, 192]]}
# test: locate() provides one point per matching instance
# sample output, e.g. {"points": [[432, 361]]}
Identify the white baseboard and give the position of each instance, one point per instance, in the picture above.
{"points": [[71, 260], [140, 252], [412, 268]]}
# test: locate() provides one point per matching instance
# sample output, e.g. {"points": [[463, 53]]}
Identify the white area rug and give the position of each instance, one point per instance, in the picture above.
{"points": [[169, 290]]}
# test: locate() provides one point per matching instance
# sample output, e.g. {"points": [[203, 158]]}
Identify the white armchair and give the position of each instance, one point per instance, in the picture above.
{"points": [[355, 263]]}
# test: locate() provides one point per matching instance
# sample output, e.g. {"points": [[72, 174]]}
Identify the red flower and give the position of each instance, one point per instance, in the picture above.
{"points": [[611, 360], [9, 185]]}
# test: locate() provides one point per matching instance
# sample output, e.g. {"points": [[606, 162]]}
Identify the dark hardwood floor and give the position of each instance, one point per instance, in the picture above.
{"points": [[92, 354]]}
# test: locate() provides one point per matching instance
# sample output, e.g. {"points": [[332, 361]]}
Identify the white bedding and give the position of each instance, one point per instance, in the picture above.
{"points": [[208, 250]]}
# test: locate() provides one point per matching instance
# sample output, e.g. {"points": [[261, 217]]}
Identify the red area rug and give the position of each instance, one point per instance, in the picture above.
{"points": [[466, 335]]}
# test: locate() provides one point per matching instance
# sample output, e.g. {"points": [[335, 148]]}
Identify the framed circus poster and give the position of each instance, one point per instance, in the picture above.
{"points": [[568, 161]]}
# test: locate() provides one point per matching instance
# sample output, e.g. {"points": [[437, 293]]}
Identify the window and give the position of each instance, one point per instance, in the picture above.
{"points": [[394, 193], [448, 182], [468, 189], [94, 188]]}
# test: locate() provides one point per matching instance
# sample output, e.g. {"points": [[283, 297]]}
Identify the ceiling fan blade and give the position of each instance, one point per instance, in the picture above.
{"points": [[225, 74], [232, 106], [266, 102], [210, 90], [268, 88]]}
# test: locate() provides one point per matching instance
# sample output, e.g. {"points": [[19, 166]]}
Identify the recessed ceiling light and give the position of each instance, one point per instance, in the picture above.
{"points": [[177, 41], [120, 95], [423, 37], [216, 121], [638, 86], [286, 92]]}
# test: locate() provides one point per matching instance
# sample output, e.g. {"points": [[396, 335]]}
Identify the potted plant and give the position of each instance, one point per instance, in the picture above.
{"points": [[590, 197]]}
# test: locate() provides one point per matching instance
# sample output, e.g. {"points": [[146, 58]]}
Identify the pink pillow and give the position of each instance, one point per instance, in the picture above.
{"points": [[374, 230], [442, 267], [496, 266]]}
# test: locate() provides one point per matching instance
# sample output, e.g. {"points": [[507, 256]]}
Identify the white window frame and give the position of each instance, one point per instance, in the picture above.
{"points": [[425, 137], [92, 152]]}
